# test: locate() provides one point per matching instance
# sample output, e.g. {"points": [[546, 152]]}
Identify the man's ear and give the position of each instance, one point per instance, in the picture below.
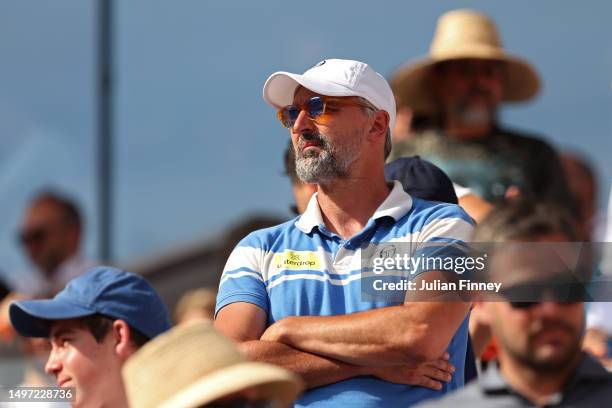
{"points": [[122, 338], [380, 124]]}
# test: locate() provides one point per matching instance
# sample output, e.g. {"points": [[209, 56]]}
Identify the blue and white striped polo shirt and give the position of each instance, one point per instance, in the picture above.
{"points": [[300, 268]]}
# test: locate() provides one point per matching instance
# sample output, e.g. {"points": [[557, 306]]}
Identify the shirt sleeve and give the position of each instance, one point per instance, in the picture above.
{"points": [[443, 241], [242, 279]]}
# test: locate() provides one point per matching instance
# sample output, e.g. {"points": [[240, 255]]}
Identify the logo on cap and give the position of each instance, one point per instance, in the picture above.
{"points": [[319, 64]]}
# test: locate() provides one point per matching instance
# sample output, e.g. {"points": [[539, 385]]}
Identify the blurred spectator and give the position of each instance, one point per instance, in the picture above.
{"points": [[539, 337], [51, 235], [462, 84], [195, 305], [519, 220], [99, 320], [291, 294], [582, 184], [195, 366]]}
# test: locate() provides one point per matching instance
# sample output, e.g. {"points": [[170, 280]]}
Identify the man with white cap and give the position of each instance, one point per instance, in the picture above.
{"points": [[292, 294], [460, 86]]}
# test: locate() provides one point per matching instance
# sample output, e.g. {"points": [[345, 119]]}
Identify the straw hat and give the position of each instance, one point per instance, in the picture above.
{"points": [[193, 365], [463, 34]]}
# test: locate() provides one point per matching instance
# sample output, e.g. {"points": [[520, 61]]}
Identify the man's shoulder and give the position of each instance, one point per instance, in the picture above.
{"points": [[432, 220], [265, 237]]}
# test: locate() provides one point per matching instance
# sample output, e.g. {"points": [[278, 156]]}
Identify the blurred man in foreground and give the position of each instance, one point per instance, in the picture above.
{"points": [[538, 320]]}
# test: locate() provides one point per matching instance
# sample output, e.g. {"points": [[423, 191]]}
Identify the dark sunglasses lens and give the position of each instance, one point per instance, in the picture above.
{"points": [[316, 107], [524, 296], [524, 293], [523, 305], [32, 237], [289, 115]]}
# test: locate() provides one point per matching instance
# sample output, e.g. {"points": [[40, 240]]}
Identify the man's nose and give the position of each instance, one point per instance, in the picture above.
{"points": [[53, 365], [303, 123], [550, 308]]}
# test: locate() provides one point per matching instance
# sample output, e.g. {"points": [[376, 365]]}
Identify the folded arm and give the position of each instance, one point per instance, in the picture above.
{"points": [[244, 323], [409, 334]]}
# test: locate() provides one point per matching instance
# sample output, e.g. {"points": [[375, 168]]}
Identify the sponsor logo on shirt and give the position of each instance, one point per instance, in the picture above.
{"points": [[297, 260]]}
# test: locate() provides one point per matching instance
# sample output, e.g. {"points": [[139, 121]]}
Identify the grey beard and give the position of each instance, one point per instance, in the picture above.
{"points": [[320, 167], [475, 116]]}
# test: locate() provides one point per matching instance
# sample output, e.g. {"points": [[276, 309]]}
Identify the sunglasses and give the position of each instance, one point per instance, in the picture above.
{"points": [[317, 108], [524, 296]]}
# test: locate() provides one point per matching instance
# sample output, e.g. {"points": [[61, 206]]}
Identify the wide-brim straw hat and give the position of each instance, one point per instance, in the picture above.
{"points": [[463, 34], [193, 365]]}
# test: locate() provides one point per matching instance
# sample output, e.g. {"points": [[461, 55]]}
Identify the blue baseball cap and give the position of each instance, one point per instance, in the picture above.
{"points": [[421, 179], [103, 290]]}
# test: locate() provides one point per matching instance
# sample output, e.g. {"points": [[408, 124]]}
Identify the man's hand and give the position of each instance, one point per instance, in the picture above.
{"points": [[429, 374], [274, 332]]}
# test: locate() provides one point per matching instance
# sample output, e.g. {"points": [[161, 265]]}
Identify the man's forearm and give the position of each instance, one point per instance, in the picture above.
{"points": [[386, 336], [315, 370], [357, 339]]}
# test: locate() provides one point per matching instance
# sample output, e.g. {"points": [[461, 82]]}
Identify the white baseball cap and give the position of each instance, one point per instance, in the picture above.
{"points": [[333, 77]]}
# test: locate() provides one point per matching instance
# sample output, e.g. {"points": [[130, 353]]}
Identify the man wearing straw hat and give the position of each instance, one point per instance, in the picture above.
{"points": [[194, 366], [460, 86], [296, 294]]}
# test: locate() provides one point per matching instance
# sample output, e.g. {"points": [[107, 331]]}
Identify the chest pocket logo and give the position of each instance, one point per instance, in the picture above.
{"points": [[297, 260]]}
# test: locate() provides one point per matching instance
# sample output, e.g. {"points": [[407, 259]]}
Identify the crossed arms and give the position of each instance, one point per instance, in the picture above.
{"points": [[402, 344]]}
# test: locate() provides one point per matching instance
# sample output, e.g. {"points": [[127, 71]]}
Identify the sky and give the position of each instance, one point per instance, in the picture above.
{"points": [[196, 148]]}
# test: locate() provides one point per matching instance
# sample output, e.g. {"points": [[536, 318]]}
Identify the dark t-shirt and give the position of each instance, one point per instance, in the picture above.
{"points": [[590, 386], [490, 165]]}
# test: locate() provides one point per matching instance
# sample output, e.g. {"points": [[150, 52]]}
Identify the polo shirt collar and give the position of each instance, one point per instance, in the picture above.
{"points": [[397, 204]]}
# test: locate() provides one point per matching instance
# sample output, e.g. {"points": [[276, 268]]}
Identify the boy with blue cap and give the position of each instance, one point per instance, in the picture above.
{"points": [[94, 325]]}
